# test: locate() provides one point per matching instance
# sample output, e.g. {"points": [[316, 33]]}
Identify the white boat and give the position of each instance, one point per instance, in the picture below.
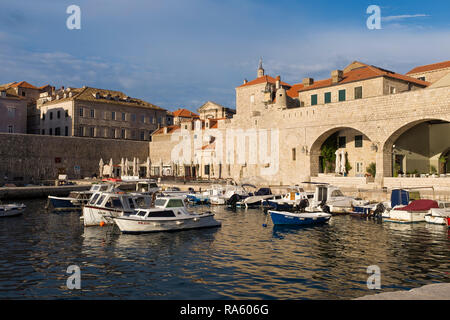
{"points": [[219, 195], [103, 206], [413, 212], [439, 215], [11, 210], [258, 198], [291, 199], [169, 214], [333, 197]]}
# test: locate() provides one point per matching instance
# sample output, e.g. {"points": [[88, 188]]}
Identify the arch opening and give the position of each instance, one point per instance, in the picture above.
{"points": [[420, 147], [358, 149]]}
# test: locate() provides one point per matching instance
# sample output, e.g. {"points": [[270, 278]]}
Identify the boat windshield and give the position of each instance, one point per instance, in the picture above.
{"points": [[175, 203], [113, 203], [160, 202], [94, 198], [337, 193]]}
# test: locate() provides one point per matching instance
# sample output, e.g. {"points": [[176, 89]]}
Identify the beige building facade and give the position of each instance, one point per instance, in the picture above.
{"points": [[98, 113], [375, 117]]}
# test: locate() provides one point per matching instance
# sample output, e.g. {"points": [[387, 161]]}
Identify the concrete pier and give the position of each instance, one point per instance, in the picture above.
{"points": [[437, 291], [7, 193]]}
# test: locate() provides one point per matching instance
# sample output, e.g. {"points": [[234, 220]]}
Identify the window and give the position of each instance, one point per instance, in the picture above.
{"points": [[124, 116], [422, 78], [122, 134], [80, 131], [92, 113], [143, 119], [23, 93], [358, 141], [314, 100], [133, 134], [113, 133], [58, 114], [81, 112], [293, 154], [342, 95], [51, 115], [43, 131], [358, 93], [11, 112], [327, 97], [43, 116], [91, 131], [57, 131], [10, 129], [113, 115], [94, 198], [252, 98], [151, 120], [207, 169], [67, 113], [359, 168], [392, 90], [66, 131], [133, 117], [50, 131], [342, 142], [142, 135]]}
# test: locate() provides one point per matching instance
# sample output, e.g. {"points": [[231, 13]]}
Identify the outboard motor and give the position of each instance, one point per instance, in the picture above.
{"points": [[233, 200], [304, 203], [377, 213]]}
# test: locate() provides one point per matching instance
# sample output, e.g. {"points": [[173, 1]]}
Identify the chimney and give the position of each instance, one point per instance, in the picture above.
{"points": [[337, 76], [62, 88], [245, 81], [308, 81], [277, 83], [165, 130]]}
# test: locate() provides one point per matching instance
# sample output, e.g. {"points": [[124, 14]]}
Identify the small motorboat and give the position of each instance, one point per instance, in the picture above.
{"points": [[439, 215], [299, 218], [11, 210], [259, 198], [291, 199], [169, 214], [197, 198], [413, 212]]}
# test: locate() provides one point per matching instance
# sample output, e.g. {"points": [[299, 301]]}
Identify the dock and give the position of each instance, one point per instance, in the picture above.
{"points": [[32, 192], [436, 291]]}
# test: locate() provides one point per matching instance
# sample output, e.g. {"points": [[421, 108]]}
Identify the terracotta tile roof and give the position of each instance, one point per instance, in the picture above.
{"points": [[170, 129], [430, 67], [293, 91], [185, 113], [210, 146], [24, 84], [104, 96], [264, 79], [363, 73]]}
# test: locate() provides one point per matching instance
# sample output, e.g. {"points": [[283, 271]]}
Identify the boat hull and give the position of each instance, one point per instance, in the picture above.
{"points": [[288, 218], [279, 206], [94, 216], [59, 203], [132, 225], [11, 212], [400, 216]]}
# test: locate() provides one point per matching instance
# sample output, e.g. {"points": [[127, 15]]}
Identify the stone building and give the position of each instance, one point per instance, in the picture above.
{"points": [[284, 134], [212, 110], [13, 112], [431, 72], [182, 115], [30, 94], [99, 113]]}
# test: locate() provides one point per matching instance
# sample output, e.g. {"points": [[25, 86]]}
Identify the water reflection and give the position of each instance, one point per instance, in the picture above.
{"points": [[242, 259]]}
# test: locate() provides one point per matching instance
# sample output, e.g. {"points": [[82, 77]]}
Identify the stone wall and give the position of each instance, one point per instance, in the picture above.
{"points": [[36, 157]]}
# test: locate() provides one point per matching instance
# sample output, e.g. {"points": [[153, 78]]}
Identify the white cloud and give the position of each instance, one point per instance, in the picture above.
{"points": [[403, 17]]}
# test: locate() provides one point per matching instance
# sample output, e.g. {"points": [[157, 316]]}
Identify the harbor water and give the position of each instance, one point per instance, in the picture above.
{"points": [[240, 260]]}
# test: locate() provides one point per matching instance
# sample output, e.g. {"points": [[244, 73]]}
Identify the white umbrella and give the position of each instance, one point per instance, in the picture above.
{"points": [[111, 168], [343, 162], [137, 167], [338, 162], [134, 166], [126, 167], [148, 167], [122, 166], [100, 167]]}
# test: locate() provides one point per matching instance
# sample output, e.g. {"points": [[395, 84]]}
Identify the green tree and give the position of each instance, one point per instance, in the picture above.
{"points": [[328, 152]]}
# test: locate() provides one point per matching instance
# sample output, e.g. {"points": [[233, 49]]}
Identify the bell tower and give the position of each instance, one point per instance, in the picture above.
{"points": [[260, 69]]}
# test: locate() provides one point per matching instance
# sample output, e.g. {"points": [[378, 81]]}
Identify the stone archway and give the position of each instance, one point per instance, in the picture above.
{"points": [[357, 145], [390, 151]]}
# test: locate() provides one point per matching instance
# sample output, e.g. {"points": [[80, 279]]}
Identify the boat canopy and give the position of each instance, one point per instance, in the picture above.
{"points": [[420, 205]]}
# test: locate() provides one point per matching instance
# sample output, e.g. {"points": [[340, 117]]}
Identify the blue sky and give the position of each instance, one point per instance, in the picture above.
{"points": [[181, 53]]}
